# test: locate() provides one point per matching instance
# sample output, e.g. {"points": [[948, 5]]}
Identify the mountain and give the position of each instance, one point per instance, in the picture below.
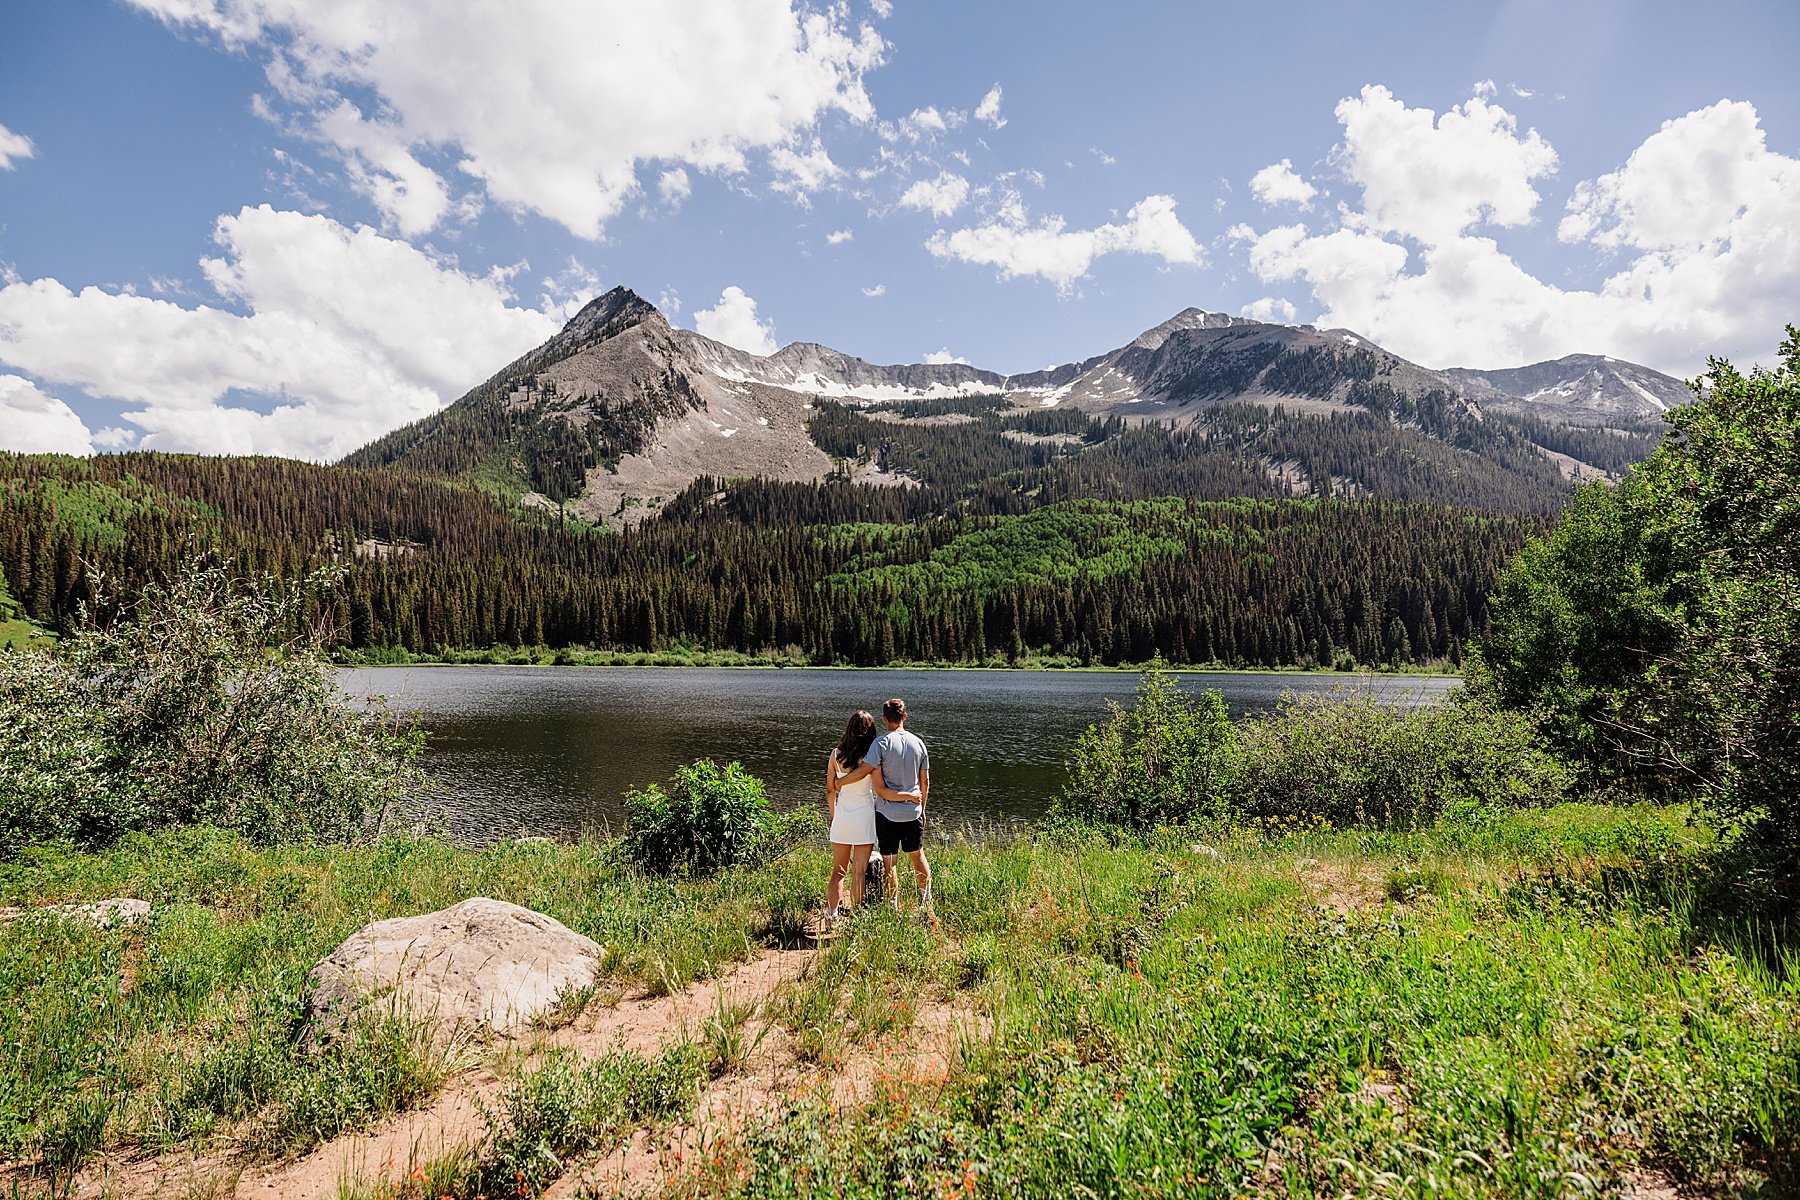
{"points": [[1579, 389], [621, 412]]}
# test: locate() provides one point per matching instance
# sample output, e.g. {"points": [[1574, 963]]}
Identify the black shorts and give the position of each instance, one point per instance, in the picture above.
{"points": [[893, 836]]}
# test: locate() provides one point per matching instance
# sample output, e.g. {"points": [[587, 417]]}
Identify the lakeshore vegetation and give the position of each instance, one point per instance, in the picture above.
{"points": [[1538, 942]]}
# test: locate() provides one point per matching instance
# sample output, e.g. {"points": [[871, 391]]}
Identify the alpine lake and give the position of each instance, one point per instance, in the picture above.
{"points": [[551, 751]]}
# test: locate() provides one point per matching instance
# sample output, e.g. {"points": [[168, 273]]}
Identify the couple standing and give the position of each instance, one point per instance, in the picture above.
{"points": [[875, 794]]}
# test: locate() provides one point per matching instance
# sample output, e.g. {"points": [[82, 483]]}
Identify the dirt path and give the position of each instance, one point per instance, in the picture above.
{"points": [[769, 1072], [455, 1119]]}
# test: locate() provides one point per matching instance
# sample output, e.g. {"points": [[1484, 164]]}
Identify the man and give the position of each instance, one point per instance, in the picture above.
{"points": [[902, 771]]}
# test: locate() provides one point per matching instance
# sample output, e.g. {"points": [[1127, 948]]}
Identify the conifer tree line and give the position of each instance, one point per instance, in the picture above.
{"points": [[834, 572]]}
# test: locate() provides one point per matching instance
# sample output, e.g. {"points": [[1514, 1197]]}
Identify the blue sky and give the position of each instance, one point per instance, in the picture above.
{"points": [[285, 226]]}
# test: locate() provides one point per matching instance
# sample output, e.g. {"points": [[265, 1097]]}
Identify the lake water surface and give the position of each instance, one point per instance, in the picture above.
{"points": [[550, 750]]}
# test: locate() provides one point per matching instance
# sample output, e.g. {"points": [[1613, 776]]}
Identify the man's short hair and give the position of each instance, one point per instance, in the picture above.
{"points": [[894, 710]]}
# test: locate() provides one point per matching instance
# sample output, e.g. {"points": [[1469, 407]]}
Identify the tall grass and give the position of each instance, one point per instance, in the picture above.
{"points": [[186, 1024], [1532, 1006], [1536, 1019]]}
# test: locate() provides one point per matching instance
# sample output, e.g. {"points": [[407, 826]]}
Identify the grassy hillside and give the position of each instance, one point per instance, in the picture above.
{"points": [[1551, 1005], [15, 630]]}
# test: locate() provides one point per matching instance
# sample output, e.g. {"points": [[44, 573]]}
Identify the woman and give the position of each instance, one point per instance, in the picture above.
{"points": [[851, 811]]}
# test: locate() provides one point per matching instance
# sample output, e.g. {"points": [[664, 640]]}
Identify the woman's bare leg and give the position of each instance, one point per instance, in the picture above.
{"points": [[859, 873], [840, 861]]}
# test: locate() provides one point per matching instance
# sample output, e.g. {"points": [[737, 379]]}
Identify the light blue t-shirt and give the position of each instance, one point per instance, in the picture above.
{"points": [[900, 756]]}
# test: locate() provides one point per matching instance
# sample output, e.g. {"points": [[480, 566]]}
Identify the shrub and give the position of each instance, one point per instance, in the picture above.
{"points": [[1347, 758], [1656, 630], [1355, 761], [709, 818], [208, 702], [1170, 759]]}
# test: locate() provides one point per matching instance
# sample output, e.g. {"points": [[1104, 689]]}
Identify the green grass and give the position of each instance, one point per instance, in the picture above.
{"points": [[102, 512], [502, 476], [17, 634], [1534, 1007], [186, 1024], [15, 630], [1551, 1007]]}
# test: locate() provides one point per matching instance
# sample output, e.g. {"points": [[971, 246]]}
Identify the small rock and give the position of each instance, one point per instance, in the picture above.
{"points": [[480, 966], [1205, 851], [118, 911]]}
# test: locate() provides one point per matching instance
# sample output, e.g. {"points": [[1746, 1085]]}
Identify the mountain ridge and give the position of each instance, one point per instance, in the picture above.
{"points": [[621, 410]]}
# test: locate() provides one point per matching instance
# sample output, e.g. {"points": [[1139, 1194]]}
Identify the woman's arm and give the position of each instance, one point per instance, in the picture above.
{"points": [[831, 786]]}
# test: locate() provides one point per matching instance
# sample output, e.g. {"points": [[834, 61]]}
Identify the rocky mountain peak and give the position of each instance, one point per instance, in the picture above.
{"points": [[1186, 319], [608, 316], [1583, 389]]}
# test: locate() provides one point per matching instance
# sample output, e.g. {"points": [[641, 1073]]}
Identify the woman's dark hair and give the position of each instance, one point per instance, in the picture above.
{"points": [[859, 735]]}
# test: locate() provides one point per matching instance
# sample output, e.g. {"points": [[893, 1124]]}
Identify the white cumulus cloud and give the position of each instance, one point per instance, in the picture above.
{"points": [[346, 334], [733, 320], [552, 107], [13, 147], [838, 237], [802, 174], [674, 186], [879, 289], [1431, 178], [1050, 250], [940, 197], [1699, 229], [411, 197], [942, 358], [922, 124], [1279, 183], [34, 423], [988, 111], [1270, 308]]}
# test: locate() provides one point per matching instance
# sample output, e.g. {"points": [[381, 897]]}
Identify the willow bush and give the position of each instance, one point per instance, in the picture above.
{"points": [[1176, 758], [1354, 761], [209, 701]]}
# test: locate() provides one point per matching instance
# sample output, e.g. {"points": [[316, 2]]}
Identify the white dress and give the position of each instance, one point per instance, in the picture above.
{"points": [[854, 823]]}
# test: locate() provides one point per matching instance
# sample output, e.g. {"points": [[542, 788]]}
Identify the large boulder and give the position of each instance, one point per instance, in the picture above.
{"points": [[478, 967]]}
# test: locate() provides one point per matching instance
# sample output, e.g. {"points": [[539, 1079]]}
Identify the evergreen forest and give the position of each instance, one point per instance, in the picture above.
{"points": [[1256, 537]]}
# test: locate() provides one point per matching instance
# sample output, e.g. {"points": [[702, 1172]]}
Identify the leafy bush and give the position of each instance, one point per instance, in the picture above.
{"points": [[709, 818], [206, 703], [1346, 758], [1355, 761], [1170, 759], [1656, 630]]}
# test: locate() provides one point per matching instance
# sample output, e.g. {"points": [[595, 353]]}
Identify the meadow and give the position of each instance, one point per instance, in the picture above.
{"points": [[1560, 1002]]}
